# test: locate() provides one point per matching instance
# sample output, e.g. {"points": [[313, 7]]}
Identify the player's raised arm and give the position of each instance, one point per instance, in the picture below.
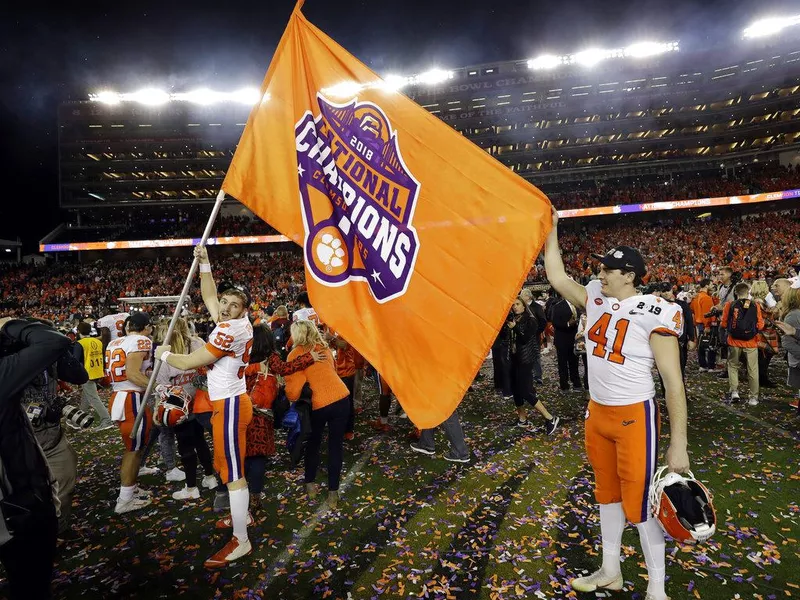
{"points": [[208, 289], [556, 274]]}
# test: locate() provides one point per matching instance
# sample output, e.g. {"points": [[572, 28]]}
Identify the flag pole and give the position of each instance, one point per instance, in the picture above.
{"points": [[157, 366]]}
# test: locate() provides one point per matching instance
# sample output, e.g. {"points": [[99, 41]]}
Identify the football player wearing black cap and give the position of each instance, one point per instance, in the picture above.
{"points": [[626, 333]]}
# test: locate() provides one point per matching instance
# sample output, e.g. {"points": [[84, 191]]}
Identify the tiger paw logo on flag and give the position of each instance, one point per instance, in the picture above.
{"points": [[349, 155]]}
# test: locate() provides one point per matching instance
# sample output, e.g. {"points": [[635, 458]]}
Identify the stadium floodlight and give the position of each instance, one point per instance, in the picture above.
{"points": [[545, 61], [106, 97], [148, 96], [645, 49], [590, 57], [395, 82], [770, 26], [203, 96], [248, 96], [433, 76]]}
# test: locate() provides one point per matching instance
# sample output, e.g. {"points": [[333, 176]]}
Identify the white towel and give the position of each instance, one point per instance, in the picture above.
{"points": [[118, 405]]}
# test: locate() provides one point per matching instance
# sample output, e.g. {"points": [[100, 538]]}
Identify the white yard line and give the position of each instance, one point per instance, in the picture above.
{"points": [[761, 422]]}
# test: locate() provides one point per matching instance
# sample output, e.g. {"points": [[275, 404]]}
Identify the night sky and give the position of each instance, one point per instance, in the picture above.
{"points": [[49, 56]]}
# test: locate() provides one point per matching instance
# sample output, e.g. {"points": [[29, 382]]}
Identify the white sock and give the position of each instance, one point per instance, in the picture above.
{"points": [[612, 523], [126, 493], [654, 548], [240, 501]]}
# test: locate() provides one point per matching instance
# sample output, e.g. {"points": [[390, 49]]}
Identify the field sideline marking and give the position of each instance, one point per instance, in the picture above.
{"points": [[761, 422], [298, 541]]}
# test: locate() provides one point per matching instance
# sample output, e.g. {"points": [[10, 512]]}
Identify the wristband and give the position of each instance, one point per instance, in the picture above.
{"points": [[205, 267], [165, 356]]}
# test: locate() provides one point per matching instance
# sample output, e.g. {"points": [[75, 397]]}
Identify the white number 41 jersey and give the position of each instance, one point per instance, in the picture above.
{"points": [[618, 351]]}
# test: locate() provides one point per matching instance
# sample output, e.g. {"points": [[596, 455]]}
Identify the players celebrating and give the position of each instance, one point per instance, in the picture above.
{"points": [[228, 353], [625, 334]]}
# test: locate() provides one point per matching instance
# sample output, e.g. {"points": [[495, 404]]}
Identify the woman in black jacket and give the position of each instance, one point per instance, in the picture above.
{"points": [[523, 333]]}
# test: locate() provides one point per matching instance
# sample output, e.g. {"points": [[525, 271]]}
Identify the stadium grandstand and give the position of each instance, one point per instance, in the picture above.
{"points": [[650, 122]]}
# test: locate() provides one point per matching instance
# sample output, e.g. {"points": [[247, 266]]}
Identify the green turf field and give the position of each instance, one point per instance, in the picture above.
{"points": [[518, 522]]}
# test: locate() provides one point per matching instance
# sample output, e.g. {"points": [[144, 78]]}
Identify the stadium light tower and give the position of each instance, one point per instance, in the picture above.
{"points": [[590, 57], [203, 96], [434, 76], [395, 82], [770, 26], [106, 97], [148, 96], [645, 49], [544, 62]]}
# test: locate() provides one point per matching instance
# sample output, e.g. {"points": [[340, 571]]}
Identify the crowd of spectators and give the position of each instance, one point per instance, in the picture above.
{"points": [[59, 290], [686, 250], [677, 249]]}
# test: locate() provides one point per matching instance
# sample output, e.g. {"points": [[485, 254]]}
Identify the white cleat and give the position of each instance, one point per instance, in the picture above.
{"points": [[147, 471], [187, 494], [597, 581], [210, 482], [134, 503], [176, 475]]}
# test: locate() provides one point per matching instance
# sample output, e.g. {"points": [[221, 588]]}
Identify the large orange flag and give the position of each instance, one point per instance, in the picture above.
{"points": [[416, 241]]}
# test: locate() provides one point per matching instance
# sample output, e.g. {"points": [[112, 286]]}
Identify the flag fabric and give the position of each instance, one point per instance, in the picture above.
{"points": [[415, 240]]}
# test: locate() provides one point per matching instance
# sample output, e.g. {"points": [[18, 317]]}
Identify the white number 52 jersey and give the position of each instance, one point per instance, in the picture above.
{"points": [[618, 350], [231, 342]]}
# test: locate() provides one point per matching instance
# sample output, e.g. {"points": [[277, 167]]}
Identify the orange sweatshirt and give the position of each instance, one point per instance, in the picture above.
{"points": [[326, 386], [701, 305]]}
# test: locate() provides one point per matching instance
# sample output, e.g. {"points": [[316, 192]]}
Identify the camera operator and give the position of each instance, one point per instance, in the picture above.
{"points": [[29, 525], [45, 408]]}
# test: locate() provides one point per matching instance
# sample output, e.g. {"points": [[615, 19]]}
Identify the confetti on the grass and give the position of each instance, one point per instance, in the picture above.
{"points": [[518, 521]]}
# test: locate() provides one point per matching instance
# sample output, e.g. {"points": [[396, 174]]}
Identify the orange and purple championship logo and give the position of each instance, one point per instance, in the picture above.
{"points": [[350, 155]]}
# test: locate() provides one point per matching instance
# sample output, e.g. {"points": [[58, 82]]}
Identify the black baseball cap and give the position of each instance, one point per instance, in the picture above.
{"points": [[139, 320], [624, 258]]}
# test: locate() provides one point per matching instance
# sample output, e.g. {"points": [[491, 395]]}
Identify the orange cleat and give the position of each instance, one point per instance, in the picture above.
{"points": [[232, 551]]}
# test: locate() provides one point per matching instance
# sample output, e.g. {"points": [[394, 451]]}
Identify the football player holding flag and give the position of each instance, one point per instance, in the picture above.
{"points": [[227, 354], [625, 334]]}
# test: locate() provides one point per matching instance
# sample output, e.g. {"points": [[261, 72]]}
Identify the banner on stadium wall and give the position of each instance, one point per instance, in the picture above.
{"points": [[415, 240], [168, 243], [564, 214]]}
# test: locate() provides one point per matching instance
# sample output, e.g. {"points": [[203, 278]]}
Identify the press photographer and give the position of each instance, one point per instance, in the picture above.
{"points": [[28, 501], [45, 408]]}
